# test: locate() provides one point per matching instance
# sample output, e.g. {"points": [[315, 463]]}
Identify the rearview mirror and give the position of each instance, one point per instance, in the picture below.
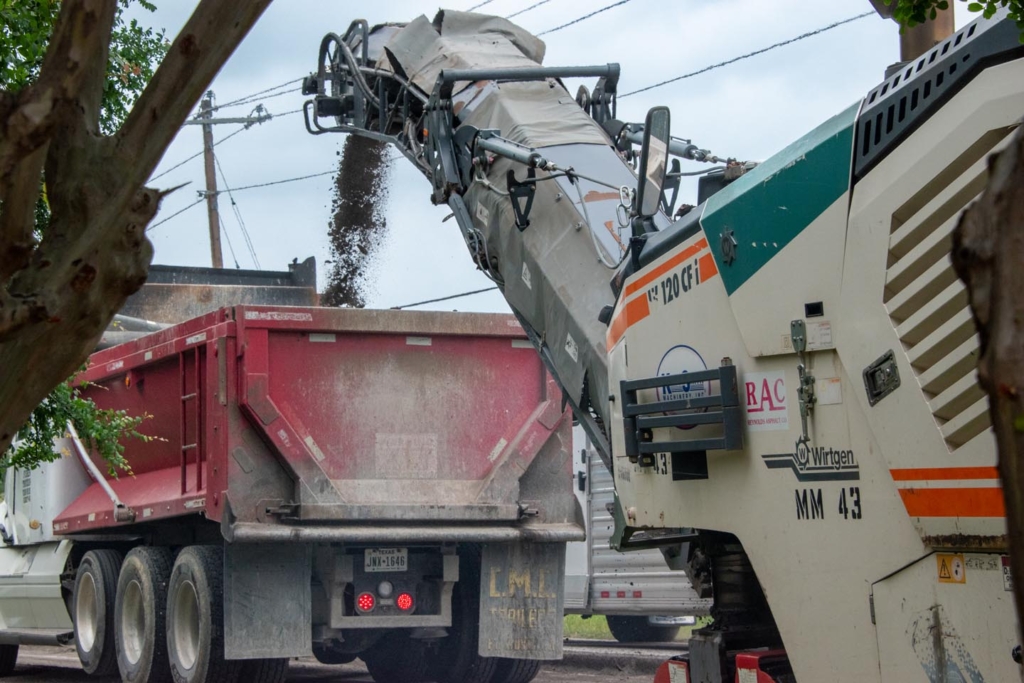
{"points": [[653, 161]]}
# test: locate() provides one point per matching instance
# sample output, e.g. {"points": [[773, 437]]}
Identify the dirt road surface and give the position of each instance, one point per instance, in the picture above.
{"points": [[583, 663]]}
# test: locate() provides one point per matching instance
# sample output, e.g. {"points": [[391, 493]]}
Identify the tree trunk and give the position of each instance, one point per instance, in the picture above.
{"points": [[57, 296], [988, 255]]}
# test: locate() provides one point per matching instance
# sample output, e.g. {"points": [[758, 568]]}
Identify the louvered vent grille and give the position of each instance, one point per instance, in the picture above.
{"points": [[927, 302]]}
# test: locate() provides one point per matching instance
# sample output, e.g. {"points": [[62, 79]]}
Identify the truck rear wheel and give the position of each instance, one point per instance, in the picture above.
{"points": [[263, 671], [630, 629], [515, 670], [95, 590], [8, 658], [140, 620], [195, 618]]}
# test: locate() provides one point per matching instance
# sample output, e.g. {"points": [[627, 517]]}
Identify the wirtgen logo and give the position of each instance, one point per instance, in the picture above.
{"points": [[816, 463]]}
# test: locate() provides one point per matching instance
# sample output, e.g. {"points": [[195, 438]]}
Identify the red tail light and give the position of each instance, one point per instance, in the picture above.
{"points": [[404, 602], [366, 602]]}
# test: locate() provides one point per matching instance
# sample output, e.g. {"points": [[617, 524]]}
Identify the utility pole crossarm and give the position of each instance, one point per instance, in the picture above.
{"points": [[244, 120]]}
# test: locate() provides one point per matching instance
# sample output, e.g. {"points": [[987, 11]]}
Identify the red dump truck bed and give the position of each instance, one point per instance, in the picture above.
{"points": [[310, 424], [365, 477]]}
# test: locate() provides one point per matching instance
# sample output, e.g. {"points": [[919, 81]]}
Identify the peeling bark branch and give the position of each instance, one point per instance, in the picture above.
{"points": [[988, 253], [77, 49], [19, 191]]}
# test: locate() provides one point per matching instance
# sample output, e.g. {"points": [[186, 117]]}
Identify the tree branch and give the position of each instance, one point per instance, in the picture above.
{"points": [[988, 249], [19, 191], [204, 44], [77, 49]]}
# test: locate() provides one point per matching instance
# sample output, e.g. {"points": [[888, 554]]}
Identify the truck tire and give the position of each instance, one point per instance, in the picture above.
{"points": [[95, 590], [263, 671], [140, 620], [457, 659], [8, 658], [515, 670], [195, 618], [630, 629], [397, 659]]}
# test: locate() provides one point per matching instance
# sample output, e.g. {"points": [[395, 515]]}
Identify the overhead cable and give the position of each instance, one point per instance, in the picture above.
{"points": [[176, 213], [750, 54], [279, 182], [247, 98], [254, 100], [445, 298], [584, 17], [199, 153], [524, 11], [226, 137], [238, 216], [227, 238], [479, 5]]}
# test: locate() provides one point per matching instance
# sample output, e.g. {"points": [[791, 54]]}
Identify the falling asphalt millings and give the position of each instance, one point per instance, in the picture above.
{"points": [[358, 226]]}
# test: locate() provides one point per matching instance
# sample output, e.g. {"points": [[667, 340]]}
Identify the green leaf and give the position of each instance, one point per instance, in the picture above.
{"points": [[974, 7]]}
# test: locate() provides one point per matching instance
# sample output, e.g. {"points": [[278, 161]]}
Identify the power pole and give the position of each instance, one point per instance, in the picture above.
{"points": [[205, 119], [206, 112]]}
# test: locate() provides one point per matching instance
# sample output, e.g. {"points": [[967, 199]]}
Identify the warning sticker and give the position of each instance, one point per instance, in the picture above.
{"points": [[678, 672], [951, 568], [767, 408], [1007, 576]]}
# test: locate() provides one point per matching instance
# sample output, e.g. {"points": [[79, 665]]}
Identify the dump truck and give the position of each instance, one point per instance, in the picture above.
{"points": [[332, 482], [780, 378]]}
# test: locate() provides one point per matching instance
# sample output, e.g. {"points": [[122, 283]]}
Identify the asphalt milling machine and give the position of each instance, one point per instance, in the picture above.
{"points": [[781, 378]]}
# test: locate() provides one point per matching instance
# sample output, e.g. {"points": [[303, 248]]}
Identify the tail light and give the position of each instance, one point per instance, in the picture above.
{"points": [[404, 602], [366, 602]]}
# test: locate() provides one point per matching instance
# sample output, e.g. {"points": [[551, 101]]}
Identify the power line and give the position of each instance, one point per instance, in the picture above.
{"points": [[584, 17], [227, 238], [227, 137], [238, 216], [247, 98], [524, 11], [256, 99], [196, 202], [279, 182], [445, 298], [200, 153], [749, 54], [478, 6]]}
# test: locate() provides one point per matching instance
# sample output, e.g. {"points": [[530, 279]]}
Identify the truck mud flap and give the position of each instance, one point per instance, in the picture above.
{"points": [[522, 587], [267, 603]]}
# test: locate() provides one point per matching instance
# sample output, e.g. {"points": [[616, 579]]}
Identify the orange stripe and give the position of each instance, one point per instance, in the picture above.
{"points": [[633, 312], [706, 266], [944, 473], [985, 502], [653, 275]]}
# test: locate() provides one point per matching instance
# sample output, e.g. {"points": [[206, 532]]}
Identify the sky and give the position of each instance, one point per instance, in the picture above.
{"points": [[747, 110]]}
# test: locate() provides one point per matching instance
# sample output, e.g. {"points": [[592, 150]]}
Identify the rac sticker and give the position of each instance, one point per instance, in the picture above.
{"points": [[767, 409]]}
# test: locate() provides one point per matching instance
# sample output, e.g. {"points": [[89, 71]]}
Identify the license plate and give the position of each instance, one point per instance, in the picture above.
{"points": [[386, 560]]}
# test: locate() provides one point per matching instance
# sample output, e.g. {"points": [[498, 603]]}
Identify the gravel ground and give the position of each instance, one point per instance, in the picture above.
{"points": [[585, 663]]}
